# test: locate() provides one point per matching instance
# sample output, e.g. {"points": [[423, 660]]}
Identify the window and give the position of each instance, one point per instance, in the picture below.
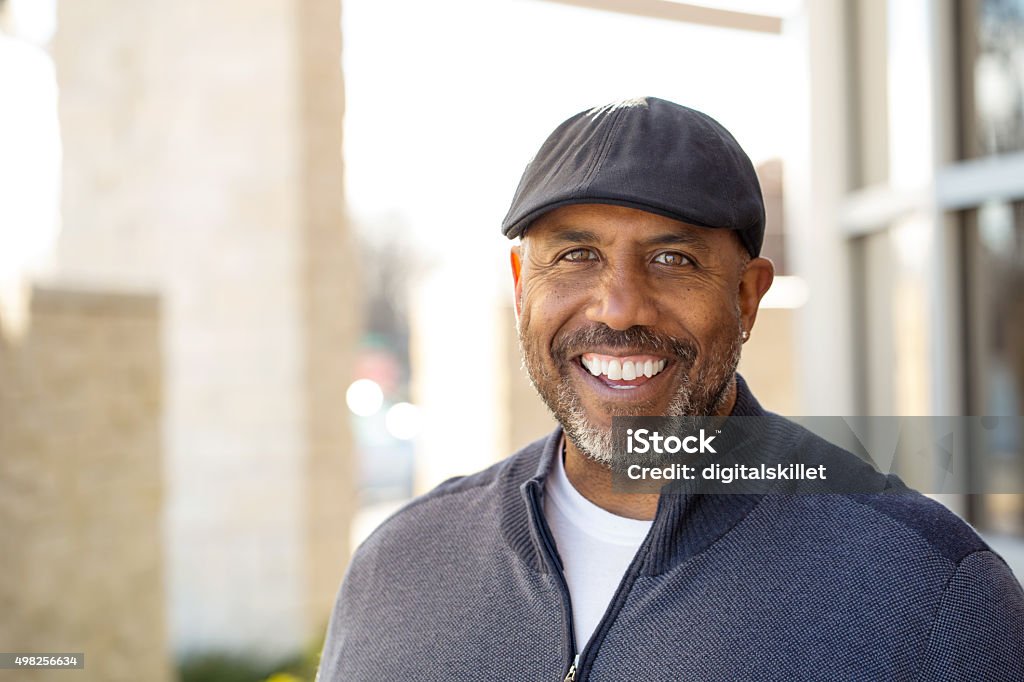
{"points": [[993, 250], [993, 76]]}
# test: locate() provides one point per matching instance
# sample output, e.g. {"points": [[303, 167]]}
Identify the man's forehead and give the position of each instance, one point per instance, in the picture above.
{"points": [[597, 223]]}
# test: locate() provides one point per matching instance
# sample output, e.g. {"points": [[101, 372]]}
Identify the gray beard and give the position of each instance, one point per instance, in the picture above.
{"points": [[705, 395]]}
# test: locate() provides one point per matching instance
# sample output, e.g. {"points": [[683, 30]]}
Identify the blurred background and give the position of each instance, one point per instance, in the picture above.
{"points": [[253, 294]]}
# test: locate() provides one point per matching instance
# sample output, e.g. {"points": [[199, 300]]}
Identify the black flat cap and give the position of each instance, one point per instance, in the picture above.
{"points": [[649, 154]]}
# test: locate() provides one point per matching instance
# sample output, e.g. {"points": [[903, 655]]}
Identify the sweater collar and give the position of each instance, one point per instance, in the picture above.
{"points": [[685, 524]]}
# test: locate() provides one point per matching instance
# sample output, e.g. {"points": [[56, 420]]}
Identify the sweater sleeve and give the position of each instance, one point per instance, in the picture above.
{"points": [[978, 631], [332, 654], [352, 638]]}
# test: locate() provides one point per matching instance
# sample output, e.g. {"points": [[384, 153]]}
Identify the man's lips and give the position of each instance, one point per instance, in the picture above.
{"points": [[623, 373]]}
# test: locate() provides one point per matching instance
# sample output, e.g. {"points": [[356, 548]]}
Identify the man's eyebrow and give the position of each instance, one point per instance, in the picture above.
{"points": [[669, 238], [571, 236]]}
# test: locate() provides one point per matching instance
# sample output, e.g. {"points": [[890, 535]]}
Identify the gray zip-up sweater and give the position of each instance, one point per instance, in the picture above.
{"points": [[465, 583]]}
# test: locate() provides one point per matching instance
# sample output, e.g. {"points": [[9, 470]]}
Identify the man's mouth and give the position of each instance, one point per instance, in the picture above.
{"points": [[623, 371]]}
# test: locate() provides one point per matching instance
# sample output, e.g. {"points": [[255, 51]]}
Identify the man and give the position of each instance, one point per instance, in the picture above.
{"points": [[636, 282]]}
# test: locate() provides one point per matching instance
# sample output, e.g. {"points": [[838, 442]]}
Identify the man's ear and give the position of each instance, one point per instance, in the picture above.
{"points": [[754, 282], [515, 256]]}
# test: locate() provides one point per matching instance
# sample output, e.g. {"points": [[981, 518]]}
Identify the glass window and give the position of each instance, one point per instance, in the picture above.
{"points": [[994, 345], [993, 73], [891, 318]]}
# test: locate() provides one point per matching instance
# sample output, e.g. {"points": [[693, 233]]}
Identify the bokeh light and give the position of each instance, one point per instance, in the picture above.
{"points": [[364, 397], [403, 421]]}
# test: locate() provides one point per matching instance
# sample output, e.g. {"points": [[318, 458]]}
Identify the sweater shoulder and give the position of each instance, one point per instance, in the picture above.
{"points": [[885, 494], [946, 533]]}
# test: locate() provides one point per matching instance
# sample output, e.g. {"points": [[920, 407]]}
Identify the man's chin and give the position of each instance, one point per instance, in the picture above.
{"points": [[600, 413], [596, 446]]}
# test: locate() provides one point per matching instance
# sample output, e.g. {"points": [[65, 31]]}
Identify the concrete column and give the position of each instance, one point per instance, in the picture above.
{"points": [[81, 492], [203, 161], [330, 303], [818, 173]]}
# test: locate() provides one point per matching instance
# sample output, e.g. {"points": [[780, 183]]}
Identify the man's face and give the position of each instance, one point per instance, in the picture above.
{"points": [[627, 313]]}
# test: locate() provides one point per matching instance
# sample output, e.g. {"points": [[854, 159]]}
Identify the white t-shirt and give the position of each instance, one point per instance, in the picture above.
{"points": [[595, 545]]}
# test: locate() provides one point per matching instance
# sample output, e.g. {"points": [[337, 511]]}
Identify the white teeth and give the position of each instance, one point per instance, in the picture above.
{"points": [[625, 370]]}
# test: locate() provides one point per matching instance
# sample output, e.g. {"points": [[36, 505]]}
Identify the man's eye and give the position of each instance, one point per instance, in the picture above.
{"points": [[579, 255], [672, 258]]}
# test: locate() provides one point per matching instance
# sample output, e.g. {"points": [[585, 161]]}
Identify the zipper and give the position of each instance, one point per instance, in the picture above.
{"points": [[576, 667], [571, 675], [552, 559], [581, 665]]}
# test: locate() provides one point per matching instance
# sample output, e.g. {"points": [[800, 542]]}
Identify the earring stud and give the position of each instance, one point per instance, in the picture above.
{"points": [[745, 335]]}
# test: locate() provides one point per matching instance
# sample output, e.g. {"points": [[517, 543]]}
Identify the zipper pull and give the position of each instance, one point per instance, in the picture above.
{"points": [[571, 675]]}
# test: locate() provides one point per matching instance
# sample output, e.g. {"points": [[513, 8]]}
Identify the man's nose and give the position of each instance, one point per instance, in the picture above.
{"points": [[623, 299]]}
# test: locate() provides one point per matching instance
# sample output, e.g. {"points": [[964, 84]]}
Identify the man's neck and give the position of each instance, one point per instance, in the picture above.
{"points": [[593, 480]]}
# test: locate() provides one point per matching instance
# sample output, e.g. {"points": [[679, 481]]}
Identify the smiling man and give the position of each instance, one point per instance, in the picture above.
{"points": [[637, 279], [624, 312]]}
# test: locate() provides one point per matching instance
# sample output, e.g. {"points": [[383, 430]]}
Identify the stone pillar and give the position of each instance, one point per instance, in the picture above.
{"points": [[818, 171], [331, 304], [203, 160], [81, 491]]}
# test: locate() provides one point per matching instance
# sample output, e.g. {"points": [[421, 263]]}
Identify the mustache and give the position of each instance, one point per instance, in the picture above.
{"points": [[640, 340]]}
